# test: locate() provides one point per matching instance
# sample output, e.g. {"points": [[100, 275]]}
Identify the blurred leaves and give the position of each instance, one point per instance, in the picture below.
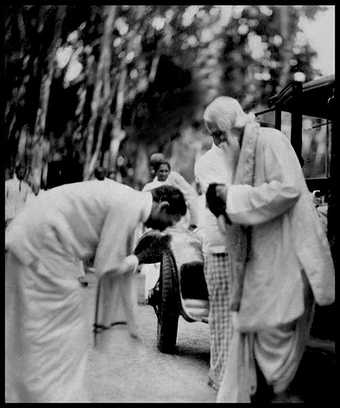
{"points": [[118, 86]]}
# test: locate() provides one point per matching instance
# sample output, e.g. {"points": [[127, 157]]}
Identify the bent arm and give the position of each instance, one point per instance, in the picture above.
{"points": [[116, 242], [248, 205]]}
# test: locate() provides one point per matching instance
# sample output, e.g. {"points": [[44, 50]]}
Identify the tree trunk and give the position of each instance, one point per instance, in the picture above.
{"points": [[287, 45], [40, 124], [141, 170], [118, 134], [154, 65], [102, 87], [103, 124]]}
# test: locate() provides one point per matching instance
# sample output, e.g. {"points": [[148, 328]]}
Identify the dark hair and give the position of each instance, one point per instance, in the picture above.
{"points": [[100, 173], [173, 196], [215, 204], [156, 159], [163, 162], [20, 166]]}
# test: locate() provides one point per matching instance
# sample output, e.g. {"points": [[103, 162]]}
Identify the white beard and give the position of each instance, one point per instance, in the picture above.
{"points": [[222, 224], [231, 145], [231, 150]]}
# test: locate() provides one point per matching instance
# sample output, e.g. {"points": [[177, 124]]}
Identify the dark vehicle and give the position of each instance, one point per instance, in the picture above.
{"points": [[306, 114]]}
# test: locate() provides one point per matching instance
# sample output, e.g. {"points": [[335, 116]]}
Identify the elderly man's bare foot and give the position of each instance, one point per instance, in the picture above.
{"points": [[285, 396], [212, 384]]}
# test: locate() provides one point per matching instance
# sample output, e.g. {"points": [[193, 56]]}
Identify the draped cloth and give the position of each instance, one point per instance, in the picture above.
{"points": [[277, 351], [238, 237], [239, 380], [116, 303], [46, 333]]}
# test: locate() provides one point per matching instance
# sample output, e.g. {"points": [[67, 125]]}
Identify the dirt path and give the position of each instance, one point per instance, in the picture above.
{"points": [[130, 370]]}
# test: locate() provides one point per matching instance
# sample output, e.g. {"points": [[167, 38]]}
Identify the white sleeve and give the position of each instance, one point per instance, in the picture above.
{"points": [[249, 205], [205, 174], [116, 239]]}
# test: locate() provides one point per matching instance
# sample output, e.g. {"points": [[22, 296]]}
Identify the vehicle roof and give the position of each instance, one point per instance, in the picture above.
{"points": [[317, 98]]}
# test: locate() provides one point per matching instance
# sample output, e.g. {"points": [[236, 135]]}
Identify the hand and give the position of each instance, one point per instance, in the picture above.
{"points": [[216, 198], [128, 265], [221, 192]]}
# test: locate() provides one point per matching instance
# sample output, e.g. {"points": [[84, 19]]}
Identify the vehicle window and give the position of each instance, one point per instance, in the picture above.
{"points": [[266, 118], [286, 123], [316, 140]]}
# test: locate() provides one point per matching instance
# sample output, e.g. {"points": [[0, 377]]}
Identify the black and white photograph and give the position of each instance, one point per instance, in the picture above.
{"points": [[170, 203]]}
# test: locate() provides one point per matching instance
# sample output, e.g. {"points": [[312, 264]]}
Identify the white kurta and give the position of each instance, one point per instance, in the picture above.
{"points": [[286, 237], [45, 339], [213, 167]]}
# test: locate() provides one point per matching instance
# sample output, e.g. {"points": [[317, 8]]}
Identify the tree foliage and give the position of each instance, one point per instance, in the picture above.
{"points": [[111, 84], [263, 46]]}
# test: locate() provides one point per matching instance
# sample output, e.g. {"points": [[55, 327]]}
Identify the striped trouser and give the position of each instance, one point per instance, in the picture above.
{"points": [[218, 276]]}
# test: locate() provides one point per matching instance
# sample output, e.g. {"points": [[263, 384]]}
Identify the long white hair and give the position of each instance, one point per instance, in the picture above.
{"points": [[227, 113]]}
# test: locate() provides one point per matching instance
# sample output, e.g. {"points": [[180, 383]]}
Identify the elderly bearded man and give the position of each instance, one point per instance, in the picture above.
{"points": [[46, 342], [280, 249]]}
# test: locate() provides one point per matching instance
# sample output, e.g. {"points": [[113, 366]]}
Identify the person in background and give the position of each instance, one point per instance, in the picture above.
{"points": [[17, 192], [162, 171], [321, 207], [46, 342], [177, 180], [100, 173], [154, 161], [282, 253], [214, 166]]}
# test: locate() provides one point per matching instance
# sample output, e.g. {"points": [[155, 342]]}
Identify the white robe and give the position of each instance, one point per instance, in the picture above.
{"points": [[46, 343], [286, 237], [289, 259]]}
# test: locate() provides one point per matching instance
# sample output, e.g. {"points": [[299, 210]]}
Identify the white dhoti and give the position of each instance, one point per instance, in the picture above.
{"points": [[277, 351], [116, 303], [46, 338]]}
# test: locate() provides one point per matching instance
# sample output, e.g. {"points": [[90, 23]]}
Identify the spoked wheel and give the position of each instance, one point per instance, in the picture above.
{"points": [[169, 306]]}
